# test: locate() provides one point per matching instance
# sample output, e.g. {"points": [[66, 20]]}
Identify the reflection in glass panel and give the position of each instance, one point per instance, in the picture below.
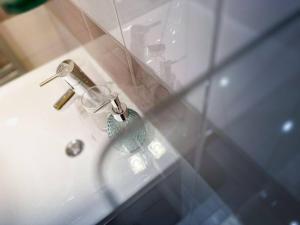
{"points": [[172, 38], [246, 170]]}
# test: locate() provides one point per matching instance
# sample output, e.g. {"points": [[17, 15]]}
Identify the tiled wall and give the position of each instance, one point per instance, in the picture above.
{"points": [[170, 38], [173, 38], [138, 82], [59, 26]]}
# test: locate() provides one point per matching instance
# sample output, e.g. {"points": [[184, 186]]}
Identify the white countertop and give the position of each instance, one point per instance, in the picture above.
{"points": [[39, 183]]}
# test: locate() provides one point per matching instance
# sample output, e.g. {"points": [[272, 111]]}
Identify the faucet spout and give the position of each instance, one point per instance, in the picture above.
{"points": [[74, 77]]}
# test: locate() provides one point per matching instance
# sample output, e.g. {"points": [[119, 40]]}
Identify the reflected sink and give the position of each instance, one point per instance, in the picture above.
{"points": [[39, 183]]}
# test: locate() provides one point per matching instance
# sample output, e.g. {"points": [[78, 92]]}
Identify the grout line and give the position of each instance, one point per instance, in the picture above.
{"points": [[83, 16], [127, 54]]}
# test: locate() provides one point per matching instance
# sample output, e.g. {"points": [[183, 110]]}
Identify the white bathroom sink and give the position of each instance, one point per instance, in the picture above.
{"points": [[39, 183]]}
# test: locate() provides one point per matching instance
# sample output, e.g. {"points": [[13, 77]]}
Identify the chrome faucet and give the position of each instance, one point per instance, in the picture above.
{"points": [[78, 81]]}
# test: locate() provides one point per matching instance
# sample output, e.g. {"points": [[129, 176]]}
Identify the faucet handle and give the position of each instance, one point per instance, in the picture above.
{"points": [[51, 78], [63, 70], [74, 77]]}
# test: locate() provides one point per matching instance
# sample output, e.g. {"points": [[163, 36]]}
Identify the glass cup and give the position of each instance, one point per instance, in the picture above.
{"points": [[96, 102]]}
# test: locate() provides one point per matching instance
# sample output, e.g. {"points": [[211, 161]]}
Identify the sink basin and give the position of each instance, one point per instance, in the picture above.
{"points": [[39, 183]]}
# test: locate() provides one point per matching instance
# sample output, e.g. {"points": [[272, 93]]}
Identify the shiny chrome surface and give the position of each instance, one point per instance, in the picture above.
{"points": [[74, 77], [76, 74], [74, 148], [51, 79]]}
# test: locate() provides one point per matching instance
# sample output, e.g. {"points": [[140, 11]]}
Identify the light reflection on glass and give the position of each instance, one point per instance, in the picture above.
{"points": [[157, 149], [287, 126], [137, 163], [149, 61], [127, 28], [224, 81]]}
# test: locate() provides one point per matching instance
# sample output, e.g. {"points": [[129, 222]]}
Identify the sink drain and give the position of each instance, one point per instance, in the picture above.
{"points": [[74, 148]]}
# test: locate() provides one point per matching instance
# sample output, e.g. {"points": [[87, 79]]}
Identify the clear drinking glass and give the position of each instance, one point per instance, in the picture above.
{"points": [[96, 102]]}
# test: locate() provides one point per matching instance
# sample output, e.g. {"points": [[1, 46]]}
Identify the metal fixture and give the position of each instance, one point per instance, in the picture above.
{"points": [[119, 120], [74, 148], [120, 111], [78, 81]]}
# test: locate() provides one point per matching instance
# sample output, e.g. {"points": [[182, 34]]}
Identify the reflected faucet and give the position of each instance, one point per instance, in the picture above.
{"points": [[138, 34], [78, 81]]}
